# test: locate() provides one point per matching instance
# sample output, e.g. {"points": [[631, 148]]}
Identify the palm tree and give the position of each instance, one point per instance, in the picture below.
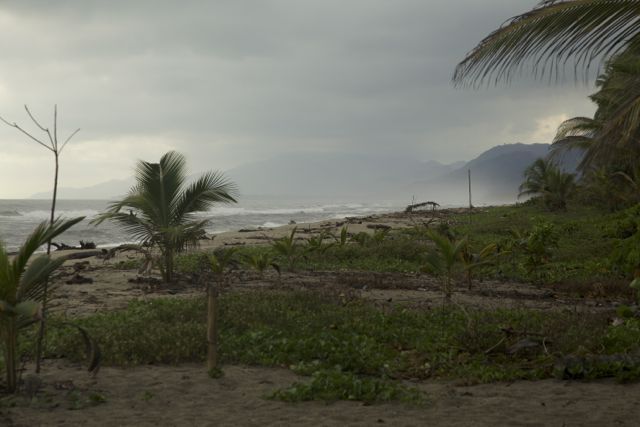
{"points": [[159, 209], [551, 34], [443, 258], [610, 138], [544, 179], [22, 286]]}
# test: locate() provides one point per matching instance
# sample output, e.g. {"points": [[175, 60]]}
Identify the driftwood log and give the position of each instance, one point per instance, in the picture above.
{"points": [[83, 246], [432, 205]]}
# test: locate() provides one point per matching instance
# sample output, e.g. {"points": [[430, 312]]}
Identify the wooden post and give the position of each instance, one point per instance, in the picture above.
{"points": [[212, 335], [470, 204]]}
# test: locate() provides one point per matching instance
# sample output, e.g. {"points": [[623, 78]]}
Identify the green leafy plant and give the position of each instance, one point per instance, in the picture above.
{"points": [[317, 243], [22, 287], [362, 238], [161, 207], [335, 384], [545, 180], [474, 260], [288, 248], [219, 263], [260, 262], [379, 235], [344, 235], [442, 259], [51, 143], [536, 245]]}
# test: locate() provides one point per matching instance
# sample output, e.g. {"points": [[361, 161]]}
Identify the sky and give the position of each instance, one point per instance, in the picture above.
{"points": [[228, 82]]}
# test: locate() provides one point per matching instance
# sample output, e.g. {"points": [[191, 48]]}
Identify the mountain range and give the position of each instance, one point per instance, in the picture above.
{"points": [[495, 176]]}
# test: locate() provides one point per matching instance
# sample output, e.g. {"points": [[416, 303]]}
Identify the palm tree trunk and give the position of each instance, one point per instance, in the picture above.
{"points": [[212, 329], [168, 266], [11, 346], [447, 288]]}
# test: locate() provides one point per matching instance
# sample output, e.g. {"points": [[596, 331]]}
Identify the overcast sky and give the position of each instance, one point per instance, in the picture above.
{"points": [[229, 81]]}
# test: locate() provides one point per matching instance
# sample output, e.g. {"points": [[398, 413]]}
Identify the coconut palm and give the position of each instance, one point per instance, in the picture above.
{"points": [[545, 180], [551, 34], [611, 137], [159, 210], [22, 287]]}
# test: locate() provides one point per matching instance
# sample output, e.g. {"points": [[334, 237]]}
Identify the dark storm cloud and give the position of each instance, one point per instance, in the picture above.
{"points": [[230, 81]]}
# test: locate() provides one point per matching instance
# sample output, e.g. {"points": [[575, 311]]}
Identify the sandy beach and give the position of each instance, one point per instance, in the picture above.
{"points": [[185, 395]]}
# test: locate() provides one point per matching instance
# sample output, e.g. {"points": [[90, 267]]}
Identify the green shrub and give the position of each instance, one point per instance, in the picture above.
{"points": [[335, 384]]}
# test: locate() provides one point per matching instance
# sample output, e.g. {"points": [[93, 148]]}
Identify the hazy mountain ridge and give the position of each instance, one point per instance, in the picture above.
{"points": [[496, 174]]}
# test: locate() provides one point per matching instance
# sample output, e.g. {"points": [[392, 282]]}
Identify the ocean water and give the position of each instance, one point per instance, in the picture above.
{"points": [[19, 217]]}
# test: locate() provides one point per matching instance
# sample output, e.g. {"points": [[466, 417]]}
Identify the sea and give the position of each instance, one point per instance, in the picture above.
{"points": [[19, 217]]}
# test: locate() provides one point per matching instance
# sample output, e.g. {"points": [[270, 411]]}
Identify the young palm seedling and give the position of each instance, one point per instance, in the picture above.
{"points": [[317, 243], [288, 248], [160, 209], [260, 262], [473, 260], [344, 235], [442, 259], [22, 287]]}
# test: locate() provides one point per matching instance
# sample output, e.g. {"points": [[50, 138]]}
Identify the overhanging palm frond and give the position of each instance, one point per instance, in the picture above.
{"points": [[549, 35]]}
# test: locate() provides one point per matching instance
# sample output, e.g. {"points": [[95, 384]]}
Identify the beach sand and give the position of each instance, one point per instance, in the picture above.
{"points": [[185, 395]]}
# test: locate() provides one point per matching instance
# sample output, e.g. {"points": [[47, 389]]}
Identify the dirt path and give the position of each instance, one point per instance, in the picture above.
{"points": [[186, 396]]}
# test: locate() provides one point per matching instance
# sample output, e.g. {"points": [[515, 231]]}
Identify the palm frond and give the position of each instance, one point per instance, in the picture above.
{"points": [[41, 235], [36, 274], [209, 189], [5, 274], [548, 36]]}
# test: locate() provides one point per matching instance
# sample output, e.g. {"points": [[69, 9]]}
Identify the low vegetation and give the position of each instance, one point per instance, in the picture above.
{"points": [[351, 349], [582, 251]]}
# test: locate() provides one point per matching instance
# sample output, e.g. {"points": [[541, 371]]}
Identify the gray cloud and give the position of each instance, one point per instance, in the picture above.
{"points": [[228, 82]]}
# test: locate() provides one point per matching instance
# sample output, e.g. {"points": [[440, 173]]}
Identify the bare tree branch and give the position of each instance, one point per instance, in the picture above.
{"points": [[68, 139], [34, 119], [15, 125], [55, 127]]}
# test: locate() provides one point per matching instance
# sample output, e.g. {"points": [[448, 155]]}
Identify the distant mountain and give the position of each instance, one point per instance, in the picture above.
{"points": [[303, 174], [103, 191], [495, 176], [333, 175]]}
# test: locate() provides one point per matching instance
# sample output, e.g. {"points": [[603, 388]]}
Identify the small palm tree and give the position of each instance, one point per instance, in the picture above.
{"points": [[544, 179], [473, 260], [22, 287], [159, 209], [442, 259], [288, 248], [260, 262]]}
